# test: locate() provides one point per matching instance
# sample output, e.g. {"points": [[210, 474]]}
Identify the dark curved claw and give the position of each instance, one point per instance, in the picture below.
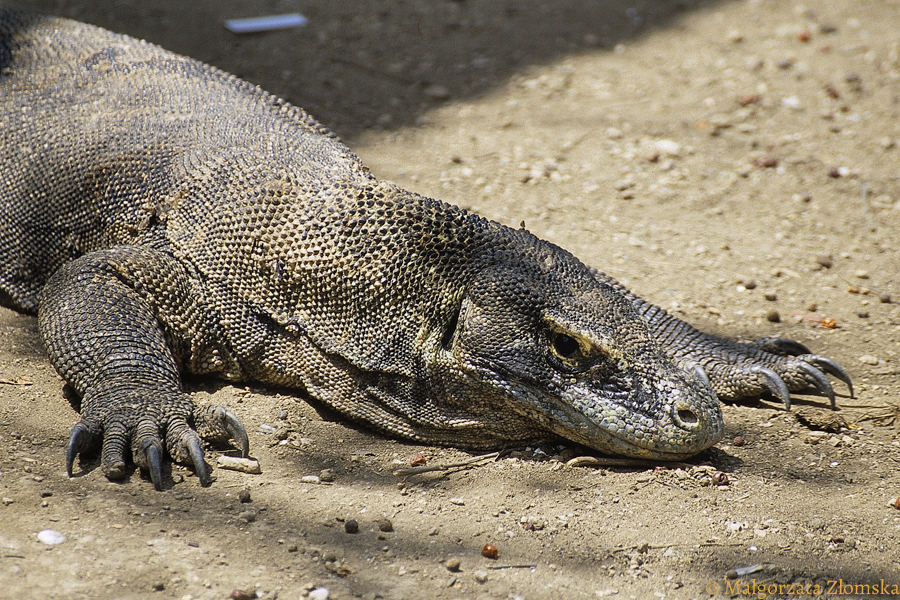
{"points": [[700, 372], [832, 368], [236, 430], [78, 441], [774, 384], [819, 380], [196, 453], [782, 346], [153, 451]]}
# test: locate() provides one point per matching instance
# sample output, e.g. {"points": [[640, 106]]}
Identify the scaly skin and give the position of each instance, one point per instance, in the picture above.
{"points": [[161, 217]]}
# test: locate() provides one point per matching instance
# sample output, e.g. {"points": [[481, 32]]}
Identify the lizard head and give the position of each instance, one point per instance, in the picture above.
{"points": [[554, 349]]}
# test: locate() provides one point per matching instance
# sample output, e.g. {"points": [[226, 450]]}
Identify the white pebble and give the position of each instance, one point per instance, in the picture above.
{"points": [[51, 537], [868, 359], [320, 593], [668, 147], [311, 479]]}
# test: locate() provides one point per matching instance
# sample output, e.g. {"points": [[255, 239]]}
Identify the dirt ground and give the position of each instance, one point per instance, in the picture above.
{"points": [[733, 161]]}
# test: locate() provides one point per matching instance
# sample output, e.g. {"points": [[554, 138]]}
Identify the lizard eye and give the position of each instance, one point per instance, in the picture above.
{"points": [[565, 346]]}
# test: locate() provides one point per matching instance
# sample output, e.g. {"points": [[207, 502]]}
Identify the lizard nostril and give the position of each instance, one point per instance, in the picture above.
{"points": [[685, 417]]}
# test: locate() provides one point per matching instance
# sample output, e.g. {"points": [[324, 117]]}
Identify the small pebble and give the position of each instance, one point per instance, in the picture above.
{"points": [[234, 463], [480, 575], [327, 475], [247, 516], [452, 564], [773, 316], [244, 496], [320, 593], [770, 296], [241, 595], [884, 298], [385, 525], [51, 537], [738, 441], [351, 526], [825, 260], [490, 551], [868, 359], [314, 479]]}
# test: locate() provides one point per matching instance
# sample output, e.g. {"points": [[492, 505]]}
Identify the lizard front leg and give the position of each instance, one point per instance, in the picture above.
{"points": [[101, 320], [734, 370]]}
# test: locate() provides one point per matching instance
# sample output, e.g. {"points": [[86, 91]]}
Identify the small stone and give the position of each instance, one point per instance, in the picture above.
{"points": [[457, 501], [861, 274], [234, 463], [247, 516], [244, 496], [480, 575], [770, 296], [868, 359], [773, 316], [158, 586], [490, 551], [384, 524], [313, 479], [452, 564], [51, 537], [884, 298], [327, 475], [46, 493], [738, 441], [6, 501], [825, 260], [320, 593], [351, 526], [241, 595]]}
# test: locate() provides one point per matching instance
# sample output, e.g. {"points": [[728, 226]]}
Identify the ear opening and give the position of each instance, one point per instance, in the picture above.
{"points": [[450, 329]]}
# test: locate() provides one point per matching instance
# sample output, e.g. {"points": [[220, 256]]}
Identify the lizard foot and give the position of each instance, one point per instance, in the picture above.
{"points": [[135, 424], [774, 365]]}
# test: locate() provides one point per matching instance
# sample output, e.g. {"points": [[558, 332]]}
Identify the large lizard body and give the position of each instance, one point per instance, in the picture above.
{"points": [[161, 217]]}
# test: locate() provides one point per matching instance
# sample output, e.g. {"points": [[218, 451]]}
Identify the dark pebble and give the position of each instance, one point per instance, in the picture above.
{"points": [[244, 496], [351, 526], [385, 525]]}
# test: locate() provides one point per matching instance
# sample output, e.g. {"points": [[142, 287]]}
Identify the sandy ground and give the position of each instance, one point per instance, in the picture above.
{"points": [[731, 161]]}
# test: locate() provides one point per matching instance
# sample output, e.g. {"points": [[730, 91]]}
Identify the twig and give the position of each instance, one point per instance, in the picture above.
{"points": [[470, 462]]}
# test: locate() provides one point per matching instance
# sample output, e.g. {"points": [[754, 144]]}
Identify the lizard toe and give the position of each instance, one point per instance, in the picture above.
{"points": [[832, 368], [781, 346], [184, 446], [774, 384], [83, 437], [115, 441], [818, 380], [219, 423], [152, 457]]}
